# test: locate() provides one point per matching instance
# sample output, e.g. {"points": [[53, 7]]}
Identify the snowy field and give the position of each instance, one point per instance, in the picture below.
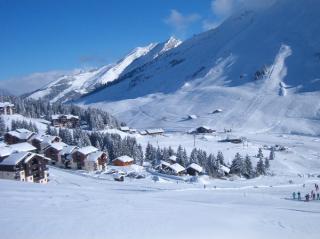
{"points": [[74, 206], [82, 205]]}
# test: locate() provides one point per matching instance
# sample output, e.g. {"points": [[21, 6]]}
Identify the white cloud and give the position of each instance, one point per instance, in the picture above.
{"points": [[223, 8], [208, 25], [179, 21]]}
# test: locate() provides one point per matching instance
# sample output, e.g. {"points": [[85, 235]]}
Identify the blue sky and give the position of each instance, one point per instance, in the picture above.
{"points": [[46, 35]]}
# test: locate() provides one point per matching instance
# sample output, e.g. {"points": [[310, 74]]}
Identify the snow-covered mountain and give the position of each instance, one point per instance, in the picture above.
{"points": [[261, 67], [76, 84]]}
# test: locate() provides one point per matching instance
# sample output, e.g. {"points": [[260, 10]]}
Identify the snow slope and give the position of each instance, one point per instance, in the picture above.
{"points": [[218, 69], [76, 206], [72, 86]]}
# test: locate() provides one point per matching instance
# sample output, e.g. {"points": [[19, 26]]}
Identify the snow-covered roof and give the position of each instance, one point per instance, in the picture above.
{"points": [[68, 116], [173, 158], [68, 149], [195, 167], [6, 104], [155, 131], [177, 168], [163, 163], [15, 158], [87, 150], [5, 151], [224, 169], [45, 138], [94, 156], [133, 130], [124, 128], [21, 133], [125, 159], [58, 145], [22, 147], [143, 132]]}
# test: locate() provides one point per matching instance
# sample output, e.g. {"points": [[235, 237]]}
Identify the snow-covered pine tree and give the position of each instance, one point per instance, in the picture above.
{"points": [[237, 165], [2, 126], [260, 154], [248, 171], [260, 169], [272, 155], [220, 158], [194, 156]]}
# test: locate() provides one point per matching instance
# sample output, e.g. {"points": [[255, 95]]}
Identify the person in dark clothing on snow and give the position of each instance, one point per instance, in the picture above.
{"points": [[318, 196], [294, 195], [307, 197], [299, 196]]}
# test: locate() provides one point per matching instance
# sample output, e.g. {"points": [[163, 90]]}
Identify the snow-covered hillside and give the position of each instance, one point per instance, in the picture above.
{"points": [[261, 67], [72, 86]]}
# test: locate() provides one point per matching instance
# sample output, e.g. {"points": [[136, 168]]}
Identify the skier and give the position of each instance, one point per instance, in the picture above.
{"points": [[313, 196], [294, 195], [299, 196], [307, 197], [318, 196]]}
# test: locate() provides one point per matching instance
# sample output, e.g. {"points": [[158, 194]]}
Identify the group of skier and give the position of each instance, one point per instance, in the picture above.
{"points": [[313, 195]]}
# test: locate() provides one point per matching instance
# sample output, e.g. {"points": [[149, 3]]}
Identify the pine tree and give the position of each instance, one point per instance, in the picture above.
{"points": [[248, 169], [260, 154], [272, 154], [220, 158], [237, 165], [260, 169], [2, 127], [194, 156], [266, 164]]}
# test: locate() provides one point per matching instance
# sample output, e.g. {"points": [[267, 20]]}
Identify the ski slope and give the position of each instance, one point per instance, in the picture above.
{"points": [[85, 207], [216, 70]]}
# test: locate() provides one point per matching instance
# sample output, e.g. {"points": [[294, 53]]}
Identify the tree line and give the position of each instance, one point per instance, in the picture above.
{"points": [[95, 119]]}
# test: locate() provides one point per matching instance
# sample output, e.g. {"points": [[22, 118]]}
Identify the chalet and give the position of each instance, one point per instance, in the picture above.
{"points": [[7, 150], [25, 166], [173, 159], [162, 165], [6, 108], [89, 158], [22, 147], [53, 151], [18, 136], [41, 141], [132, 131], [155, 131], [66, 155], [123, 161], [176, 169], [69, 121], [203, 130], [194, 169], [143, 132], [125, 129]]}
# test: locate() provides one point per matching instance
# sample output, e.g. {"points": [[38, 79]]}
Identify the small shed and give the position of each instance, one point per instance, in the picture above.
{"points": [[194, 169], [125, 129], [173, 159], [123, 161], [162, 165], [176, 169], [155, 131], [203, 130]]}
